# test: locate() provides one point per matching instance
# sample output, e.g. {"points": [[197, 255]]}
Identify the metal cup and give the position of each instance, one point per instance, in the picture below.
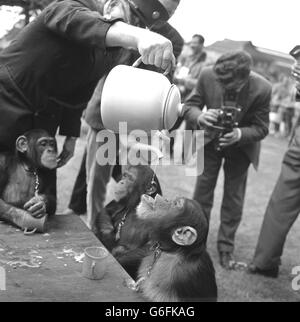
{"points": [[95, 263], [28, 223], [32, 225]]}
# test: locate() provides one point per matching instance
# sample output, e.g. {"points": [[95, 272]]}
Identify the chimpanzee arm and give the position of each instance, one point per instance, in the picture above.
{"points": [[7, 211], [4, 207], [104, 219], [105, 228], [132, 260]]}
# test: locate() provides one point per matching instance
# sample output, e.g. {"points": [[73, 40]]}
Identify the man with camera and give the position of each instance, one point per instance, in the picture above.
{"points": [[236, 120], [283, 208]]}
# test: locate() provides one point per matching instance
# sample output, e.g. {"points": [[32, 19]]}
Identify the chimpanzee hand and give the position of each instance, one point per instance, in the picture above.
{"points": [[208, 118], [230, 138], [36, 206], [67, 152]]}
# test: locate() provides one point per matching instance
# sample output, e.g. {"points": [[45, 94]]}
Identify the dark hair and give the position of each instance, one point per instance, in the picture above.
{"points": [[35, 133], [236, 64], [201, 39]]}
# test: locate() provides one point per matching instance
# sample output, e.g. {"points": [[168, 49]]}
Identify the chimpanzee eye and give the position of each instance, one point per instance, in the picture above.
{"points": [[43, 144]]}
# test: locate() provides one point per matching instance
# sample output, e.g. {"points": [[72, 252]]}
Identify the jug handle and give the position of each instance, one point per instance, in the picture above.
{"points": [[295, 52], [28, 233], [138, 62]]}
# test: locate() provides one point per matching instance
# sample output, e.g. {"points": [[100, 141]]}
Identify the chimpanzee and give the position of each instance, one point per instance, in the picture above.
{"points": [[27, 181], [177, 267], [118, 227]]}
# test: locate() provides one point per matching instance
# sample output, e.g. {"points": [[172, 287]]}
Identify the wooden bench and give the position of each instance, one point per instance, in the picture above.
{"points": [[47, 267]]}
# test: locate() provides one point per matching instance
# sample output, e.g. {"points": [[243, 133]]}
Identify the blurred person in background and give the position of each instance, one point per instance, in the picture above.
{"points": [[283, 107], [187, 74], [189, 68]]}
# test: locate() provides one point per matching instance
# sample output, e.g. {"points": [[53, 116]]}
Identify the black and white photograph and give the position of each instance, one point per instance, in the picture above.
{"points": [[149, 153]]}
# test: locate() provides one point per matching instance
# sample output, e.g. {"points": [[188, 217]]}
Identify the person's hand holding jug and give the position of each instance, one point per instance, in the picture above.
{"points": [[154, 49]]}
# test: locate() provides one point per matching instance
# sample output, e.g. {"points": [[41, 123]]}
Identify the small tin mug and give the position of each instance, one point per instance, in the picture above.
{"points": [[95, 263]]}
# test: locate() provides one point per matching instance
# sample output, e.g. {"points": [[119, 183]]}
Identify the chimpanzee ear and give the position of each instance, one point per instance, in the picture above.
{"points": [[152, 190], [22, 144], [185, 236]]}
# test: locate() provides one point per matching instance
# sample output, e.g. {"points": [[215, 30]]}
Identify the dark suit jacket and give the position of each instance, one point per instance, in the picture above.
{"points": [[49, 73], [254, 99]]}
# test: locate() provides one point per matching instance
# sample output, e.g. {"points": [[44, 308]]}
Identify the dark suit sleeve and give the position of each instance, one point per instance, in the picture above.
{"points": [[71, 122], [298, 96], [259, 127], [195, 102], [77, 23]]}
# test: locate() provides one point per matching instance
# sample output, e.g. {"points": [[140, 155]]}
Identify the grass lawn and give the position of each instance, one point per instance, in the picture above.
{"points": [[234, 285]]}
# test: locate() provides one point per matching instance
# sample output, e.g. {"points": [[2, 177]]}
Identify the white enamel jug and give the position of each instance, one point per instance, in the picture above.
{"points": [[145, 100]]}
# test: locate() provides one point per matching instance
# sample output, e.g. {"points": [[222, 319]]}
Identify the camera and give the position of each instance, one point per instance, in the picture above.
{"points": [[227, 121]]}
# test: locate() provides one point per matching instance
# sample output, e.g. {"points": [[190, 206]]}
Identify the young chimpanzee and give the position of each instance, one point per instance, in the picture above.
{"points": [[118, 227], [27, 179], [177, 267]]}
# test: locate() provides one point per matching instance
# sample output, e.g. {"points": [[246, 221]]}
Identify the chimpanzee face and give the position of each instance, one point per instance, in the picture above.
{"points": [[150, 208], [38, 149], [47, 150], [127, 184]]}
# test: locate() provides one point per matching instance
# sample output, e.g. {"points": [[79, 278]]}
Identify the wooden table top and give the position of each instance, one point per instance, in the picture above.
{"points": [[47, 267]]}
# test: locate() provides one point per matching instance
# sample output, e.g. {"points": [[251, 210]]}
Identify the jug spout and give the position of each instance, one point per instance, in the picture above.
{"points": [[180, 110]]}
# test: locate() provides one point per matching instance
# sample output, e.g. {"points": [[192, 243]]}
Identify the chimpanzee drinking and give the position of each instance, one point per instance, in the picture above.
{"points": [[118, 227], [177, 267], [27, 182]]}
